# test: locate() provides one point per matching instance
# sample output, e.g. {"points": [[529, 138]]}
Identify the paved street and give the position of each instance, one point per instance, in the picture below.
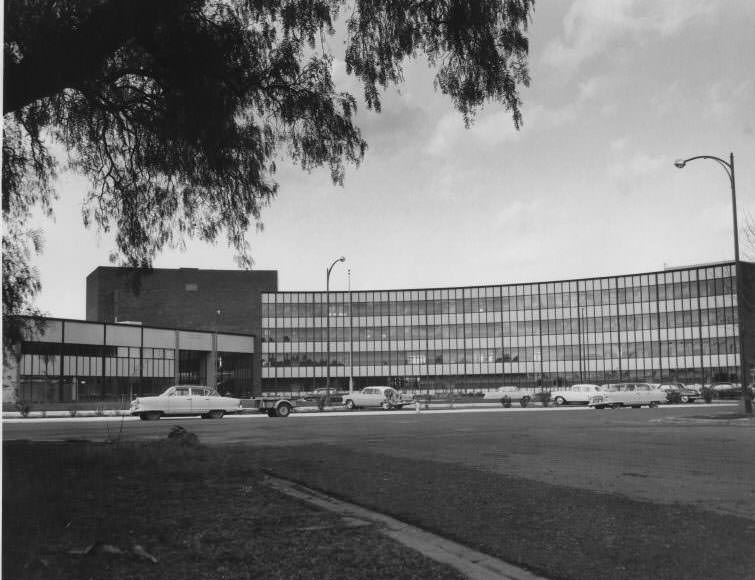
{"points": [[671, 454]]}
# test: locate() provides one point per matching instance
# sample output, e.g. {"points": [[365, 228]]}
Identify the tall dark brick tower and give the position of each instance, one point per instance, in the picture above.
{"points": [[188, 298]]}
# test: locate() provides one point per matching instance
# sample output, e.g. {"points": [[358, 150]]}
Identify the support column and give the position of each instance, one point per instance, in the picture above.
{"points": [[212, 364]]}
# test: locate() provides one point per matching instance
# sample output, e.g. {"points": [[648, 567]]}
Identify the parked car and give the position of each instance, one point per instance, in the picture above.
{"points": [[505, 395], [627, 395], [319, 394], [574, 395], [726, 390], [379, 396], [500, 392], [183, 400], [678, 392]]}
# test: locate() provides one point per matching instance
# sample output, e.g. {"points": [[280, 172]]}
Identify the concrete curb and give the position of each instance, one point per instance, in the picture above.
{"points": [[341, 411], [59, 414], [473, 564]]}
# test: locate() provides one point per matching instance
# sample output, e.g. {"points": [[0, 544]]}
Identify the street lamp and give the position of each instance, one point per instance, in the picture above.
{"points": [[729, 168], [218, 312], [327, 335], [351, 339]]}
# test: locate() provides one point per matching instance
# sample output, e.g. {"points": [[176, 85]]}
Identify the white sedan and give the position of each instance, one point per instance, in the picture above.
{"points": [[633, 395], [575, 395], [185, 400], [385, 397], [506, 394]]}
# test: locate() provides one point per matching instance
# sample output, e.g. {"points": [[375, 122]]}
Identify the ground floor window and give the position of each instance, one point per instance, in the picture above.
{"points": [[192, 367], [234, 374]]}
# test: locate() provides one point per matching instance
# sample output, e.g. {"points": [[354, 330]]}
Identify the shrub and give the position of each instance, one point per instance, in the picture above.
{"points": [[182, 436]]}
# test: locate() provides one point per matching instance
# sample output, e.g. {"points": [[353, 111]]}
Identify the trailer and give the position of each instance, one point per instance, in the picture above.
{"points": [[273, 406]]}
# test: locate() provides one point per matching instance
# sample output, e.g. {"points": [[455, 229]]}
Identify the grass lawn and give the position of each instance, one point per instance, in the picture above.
{"points": [[205, 512], [559, 532], [83, 510]]}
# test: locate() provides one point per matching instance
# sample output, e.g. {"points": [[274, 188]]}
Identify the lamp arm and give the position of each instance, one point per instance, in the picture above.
{"points": [[725, 164], [333, 264]]}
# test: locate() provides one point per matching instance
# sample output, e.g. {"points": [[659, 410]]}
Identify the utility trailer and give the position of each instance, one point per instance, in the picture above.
{"points": [[273, 406]]}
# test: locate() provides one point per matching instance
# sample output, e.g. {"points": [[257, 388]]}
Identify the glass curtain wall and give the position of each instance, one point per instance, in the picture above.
{"points": [[91, 372], [81, 361], [678, 324]]}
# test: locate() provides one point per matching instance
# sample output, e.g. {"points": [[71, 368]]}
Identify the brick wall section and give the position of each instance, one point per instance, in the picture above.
{"points": [[186, 298]]}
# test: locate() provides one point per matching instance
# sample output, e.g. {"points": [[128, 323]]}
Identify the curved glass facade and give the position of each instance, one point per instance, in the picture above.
{"points": [[679, 323]]}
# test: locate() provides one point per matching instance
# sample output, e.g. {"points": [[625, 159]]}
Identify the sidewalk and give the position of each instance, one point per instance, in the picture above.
{"points": [[440, 405]]}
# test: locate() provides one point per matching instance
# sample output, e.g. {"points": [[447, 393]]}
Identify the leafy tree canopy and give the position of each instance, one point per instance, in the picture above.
{"points": [[177, 109]]}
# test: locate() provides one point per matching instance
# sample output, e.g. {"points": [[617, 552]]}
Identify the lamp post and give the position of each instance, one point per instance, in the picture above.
{"points": [[327, 334], [218, 312], [729, 168], [351, 339]]}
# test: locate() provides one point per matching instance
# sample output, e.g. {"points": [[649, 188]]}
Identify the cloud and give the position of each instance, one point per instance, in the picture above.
{"points": [[725, 98], [448, 184], [590, 26], [601, 93], [489, 130], [628, 172], [518, 213], [496, 128], [619, 144]]}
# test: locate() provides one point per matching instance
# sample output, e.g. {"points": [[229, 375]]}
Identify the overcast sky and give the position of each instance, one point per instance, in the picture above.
{"points": [[587, 187]]}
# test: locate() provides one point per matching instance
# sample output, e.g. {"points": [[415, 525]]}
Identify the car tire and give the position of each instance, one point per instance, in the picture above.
{"points": [[150, 415], [636, 406], [684, 399], [216, 414], [616, 406], [284, 410], [558, 401], [599, 407], [349, 404]]}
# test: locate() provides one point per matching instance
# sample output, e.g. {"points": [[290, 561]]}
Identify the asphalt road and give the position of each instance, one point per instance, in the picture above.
{"points": [[682, 454]]}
